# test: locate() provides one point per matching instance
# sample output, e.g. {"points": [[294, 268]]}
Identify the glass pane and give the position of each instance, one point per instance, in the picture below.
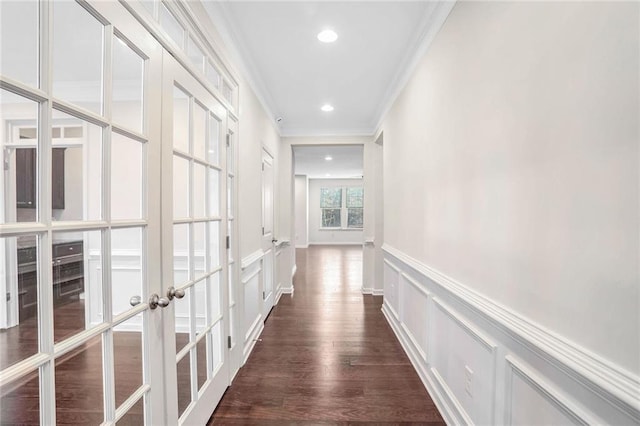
{"points": [[170, 24], [201, 349], [213, 148], [214, 245], [126, 268], [182, 312], [199, 254], [180, 187], [184, 384], [218, 342], [331, 218], [180, 254], [227, 92], [128, 70], [199, 190], [180, 120], [215, 296], [20, 120], [20, 401], [80, 370], [19, 316], [214, 193], [195, 54], [127, 191], [213, 75], [77, 61], [76, 170], [330, 197], [355, 197], [127, 352], [77, 283], [199, 131], [355, 218], [19, 41], [200, 308], [133, 417]]}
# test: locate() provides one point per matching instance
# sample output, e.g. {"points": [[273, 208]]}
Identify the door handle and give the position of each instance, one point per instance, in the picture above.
{"points": [[135, 300], [156, 301], [172, 292], [274, 241]]}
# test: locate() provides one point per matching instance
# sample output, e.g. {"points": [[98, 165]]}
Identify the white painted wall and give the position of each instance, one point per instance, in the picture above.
{"points": [[511, 165], [301, 189], [317, 235]]}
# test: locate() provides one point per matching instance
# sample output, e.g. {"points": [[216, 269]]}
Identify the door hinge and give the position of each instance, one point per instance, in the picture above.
{"points": [[228, 242], [228, 139], [229, 342], [8, 296], [263, 295], [263, 230], [263, 167]]}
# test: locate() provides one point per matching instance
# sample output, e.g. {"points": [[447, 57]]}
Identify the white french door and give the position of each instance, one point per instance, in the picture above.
{"points": [[194, 261], [113, 217]]}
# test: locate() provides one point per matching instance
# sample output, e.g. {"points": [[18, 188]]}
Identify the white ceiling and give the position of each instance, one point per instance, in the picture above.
{"points": [[295, 74], [346, 161]]}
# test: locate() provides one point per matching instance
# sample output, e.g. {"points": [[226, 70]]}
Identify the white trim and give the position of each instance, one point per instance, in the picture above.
{"points": [[294, 269], [252, 337], [431, 26], [251, 259], [366, 290], [335, 244], [546, 390], [378, 292], [593, 379], [302, 246]]}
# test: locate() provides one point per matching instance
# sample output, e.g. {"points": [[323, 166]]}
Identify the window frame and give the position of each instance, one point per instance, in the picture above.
{"points": [[344, 209]]}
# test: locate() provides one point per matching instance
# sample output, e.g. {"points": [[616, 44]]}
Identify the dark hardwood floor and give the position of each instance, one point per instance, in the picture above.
{"points": [[327, 356]]}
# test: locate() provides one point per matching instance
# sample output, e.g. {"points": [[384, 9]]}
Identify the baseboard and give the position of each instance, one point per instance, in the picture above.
{"points": [[294, 269], [302, 246], [366, 290], [377, 292], [445, 327]]}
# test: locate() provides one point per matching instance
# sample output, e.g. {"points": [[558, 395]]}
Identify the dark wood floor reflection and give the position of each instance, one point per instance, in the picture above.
{"points": [[327, 355]]}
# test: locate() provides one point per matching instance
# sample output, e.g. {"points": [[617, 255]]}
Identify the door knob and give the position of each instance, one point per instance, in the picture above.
{"points": [[172, 292], [135, 300], [156, 301]]}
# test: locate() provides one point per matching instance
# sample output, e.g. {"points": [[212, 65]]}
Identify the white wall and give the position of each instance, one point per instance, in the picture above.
{"points": [[511, 169], [317, 235], [301, 189]]}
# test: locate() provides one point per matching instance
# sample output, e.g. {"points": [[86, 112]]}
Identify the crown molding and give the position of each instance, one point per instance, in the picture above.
{"points": [[431, 24], [224, 21]]}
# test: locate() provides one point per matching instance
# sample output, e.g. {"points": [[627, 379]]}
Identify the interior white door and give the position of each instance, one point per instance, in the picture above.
{"points": [[268, 238], [194, 229], [79, 217]]}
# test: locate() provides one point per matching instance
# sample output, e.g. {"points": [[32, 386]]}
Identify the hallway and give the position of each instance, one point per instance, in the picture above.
{"points": [[327, 355]]}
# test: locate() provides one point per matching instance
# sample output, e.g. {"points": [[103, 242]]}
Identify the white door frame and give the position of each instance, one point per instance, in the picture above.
{"points": [[268, 233]]}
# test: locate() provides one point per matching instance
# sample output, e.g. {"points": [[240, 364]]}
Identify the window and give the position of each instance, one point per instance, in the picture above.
{"points": [[355, 205], [337, 210]]}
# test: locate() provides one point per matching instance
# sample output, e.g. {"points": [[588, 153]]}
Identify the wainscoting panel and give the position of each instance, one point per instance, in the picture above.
{"points": [[484, 364], [253, 321]]}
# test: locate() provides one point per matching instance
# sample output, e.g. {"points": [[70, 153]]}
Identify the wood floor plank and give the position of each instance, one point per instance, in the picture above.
{"points": [[327, 356]]}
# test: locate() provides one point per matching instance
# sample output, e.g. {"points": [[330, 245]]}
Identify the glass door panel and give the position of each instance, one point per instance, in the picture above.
{"points": [[199, 328]]}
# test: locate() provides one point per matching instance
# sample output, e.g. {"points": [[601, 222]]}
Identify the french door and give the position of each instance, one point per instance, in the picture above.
{"points": [[194, 260], [115, 304]]}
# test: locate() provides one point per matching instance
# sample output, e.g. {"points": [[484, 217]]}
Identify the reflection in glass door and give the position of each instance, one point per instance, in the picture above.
{"points": [[77, 235], [192, 155]]}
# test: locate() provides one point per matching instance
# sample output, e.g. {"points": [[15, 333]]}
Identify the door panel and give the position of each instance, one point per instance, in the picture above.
{"points": [[87, 254], [197, 369]]}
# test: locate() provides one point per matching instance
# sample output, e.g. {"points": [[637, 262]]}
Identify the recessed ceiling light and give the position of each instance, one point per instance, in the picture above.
{"points": [[328, 158], [327, 108], [327, 36]]}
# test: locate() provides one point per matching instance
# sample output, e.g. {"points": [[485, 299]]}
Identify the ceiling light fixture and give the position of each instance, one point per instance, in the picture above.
{"points": [[327, 36], [328, 158], [327, 108]]}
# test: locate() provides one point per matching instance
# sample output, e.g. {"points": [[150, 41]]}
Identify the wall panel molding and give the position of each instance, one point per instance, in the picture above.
{"points": [[578, 383]]}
